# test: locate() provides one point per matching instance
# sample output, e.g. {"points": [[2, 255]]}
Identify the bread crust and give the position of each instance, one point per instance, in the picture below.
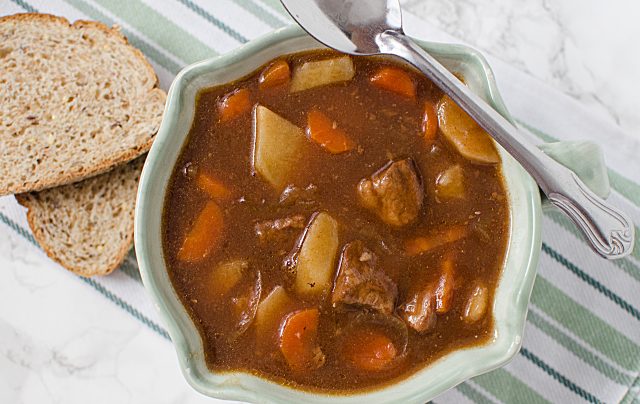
{"points": [[31, 202], [39, 235], [106, 164]]}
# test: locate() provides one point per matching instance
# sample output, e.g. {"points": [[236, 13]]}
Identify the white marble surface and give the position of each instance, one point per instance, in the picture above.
{"points": [[61, 342], [585, 48]]}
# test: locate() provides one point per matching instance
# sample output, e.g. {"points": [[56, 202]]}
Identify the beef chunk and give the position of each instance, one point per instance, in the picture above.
{"points": [[394, 192], [361, 282], [280, 229], [420, 311]]}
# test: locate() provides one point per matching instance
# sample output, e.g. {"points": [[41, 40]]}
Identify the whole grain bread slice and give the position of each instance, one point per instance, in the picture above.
{"points": [[75, 101], [87, 226]]}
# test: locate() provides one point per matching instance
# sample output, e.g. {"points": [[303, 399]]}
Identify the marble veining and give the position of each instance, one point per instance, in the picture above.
{"points": [[62, 342], [583, 48]]}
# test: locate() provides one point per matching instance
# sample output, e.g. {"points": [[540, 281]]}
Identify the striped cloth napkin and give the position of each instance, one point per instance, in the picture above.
{"points": [[582, 338]]}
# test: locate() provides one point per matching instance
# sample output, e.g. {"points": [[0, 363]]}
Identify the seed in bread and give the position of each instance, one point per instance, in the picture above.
{"points": [[87, 227], [75, 101]]}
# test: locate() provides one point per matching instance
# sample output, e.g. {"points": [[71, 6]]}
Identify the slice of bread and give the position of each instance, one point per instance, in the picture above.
{"points": [[87, 227], [75, 101]]}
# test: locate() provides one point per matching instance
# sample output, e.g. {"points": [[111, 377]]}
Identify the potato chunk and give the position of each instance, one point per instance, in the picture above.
{"points": [[227, 275], [322, 72], [477, 305], [278, 147], [419, 311], [450, 183], [270, 313], [316, 258], [468, 138]]}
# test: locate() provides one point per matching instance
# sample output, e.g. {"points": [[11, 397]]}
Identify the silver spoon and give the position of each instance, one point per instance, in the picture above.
{"points": [[372, 27]]}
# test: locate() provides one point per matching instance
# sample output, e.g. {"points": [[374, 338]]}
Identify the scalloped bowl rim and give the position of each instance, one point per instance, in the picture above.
{"points": [[512, 294]]}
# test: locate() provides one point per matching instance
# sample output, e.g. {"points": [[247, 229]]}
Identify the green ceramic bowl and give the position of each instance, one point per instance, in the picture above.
{"points": [[514, 289]]}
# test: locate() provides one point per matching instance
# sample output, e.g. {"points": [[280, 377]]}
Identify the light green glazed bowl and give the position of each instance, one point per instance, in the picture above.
{"points": [[512, 295]]}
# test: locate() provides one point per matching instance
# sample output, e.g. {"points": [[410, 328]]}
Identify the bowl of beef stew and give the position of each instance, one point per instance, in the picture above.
{"points": [[318, 227]]}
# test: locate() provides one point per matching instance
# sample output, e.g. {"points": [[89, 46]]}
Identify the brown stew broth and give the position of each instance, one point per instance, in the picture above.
{"points": [[385, 126]]}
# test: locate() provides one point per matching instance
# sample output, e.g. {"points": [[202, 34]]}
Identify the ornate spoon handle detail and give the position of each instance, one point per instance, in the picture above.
{"points": [[609, 231]]}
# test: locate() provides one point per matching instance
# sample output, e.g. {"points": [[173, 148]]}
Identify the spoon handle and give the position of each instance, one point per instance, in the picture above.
{"points": [[609, 231]]}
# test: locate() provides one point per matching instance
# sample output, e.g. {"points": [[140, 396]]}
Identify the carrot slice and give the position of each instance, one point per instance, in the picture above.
{"points": [[213, 187], [444, 290], [429, 122], [234, 105], [395, 80], [298, 340], [419, 245], [369, 350], [204, 236], [277, 74], [325, 132]]}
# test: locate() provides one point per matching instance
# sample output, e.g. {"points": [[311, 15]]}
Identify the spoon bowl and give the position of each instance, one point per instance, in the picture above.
{"points": [[352, 27]]}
